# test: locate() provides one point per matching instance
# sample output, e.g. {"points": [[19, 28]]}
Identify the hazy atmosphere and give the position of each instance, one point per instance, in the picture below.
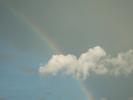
{"points": [[66, 50]]}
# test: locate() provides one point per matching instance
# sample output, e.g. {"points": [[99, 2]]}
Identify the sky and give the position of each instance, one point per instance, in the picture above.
{"points": [[43, 41]]}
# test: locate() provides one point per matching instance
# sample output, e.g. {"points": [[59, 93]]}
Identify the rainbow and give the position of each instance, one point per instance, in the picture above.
{"points": [[51, 42]]}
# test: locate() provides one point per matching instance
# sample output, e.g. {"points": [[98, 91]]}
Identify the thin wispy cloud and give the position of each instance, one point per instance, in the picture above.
{"points": [[94, 61]]}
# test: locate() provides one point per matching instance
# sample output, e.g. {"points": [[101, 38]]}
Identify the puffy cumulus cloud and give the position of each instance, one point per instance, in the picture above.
{"points": [[94, 61]]}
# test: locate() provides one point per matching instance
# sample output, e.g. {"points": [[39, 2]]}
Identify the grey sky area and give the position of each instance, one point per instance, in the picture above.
{"points": [[76, 25], [80, 24]]}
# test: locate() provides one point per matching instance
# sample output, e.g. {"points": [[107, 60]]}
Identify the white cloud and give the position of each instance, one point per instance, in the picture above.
{"points": [[95, 61], [130, 98]]}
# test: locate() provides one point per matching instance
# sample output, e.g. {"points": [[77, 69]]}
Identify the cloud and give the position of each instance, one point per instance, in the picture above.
{"points": [[94, 61], [130, 98]]}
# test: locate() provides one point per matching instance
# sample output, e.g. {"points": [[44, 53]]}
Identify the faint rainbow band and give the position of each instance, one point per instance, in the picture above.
{"points": [[49, 40], [52, 44]]}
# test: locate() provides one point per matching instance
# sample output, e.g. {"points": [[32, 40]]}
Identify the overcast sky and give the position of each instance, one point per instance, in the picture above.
{"points": [[73, 25]]}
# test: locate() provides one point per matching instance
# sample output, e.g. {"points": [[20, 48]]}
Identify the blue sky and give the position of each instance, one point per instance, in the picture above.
{"points": [[20, 55], [76, 25]]}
